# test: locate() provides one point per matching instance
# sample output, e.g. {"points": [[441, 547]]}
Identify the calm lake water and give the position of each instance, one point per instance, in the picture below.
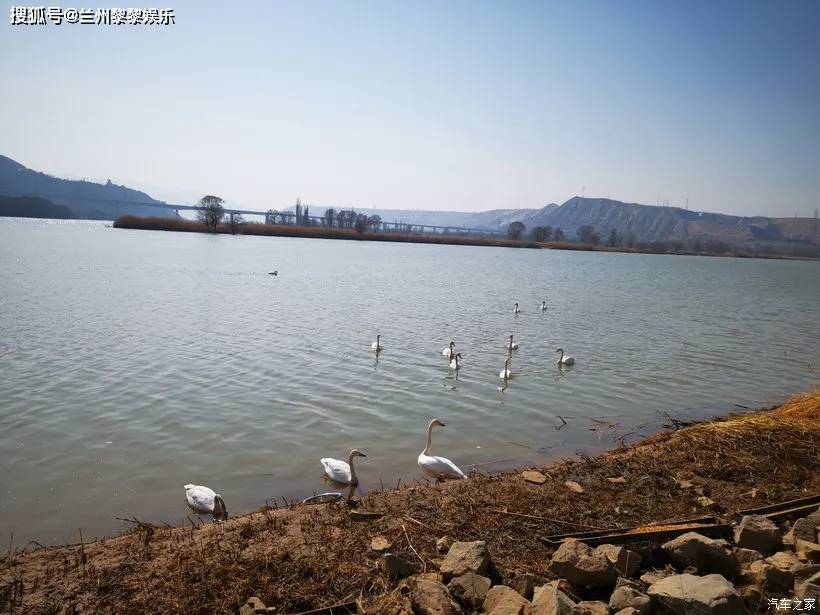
{"points": [[133, 362]]}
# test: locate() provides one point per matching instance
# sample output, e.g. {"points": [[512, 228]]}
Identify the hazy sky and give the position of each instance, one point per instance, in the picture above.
{"points": [[430, 105]]}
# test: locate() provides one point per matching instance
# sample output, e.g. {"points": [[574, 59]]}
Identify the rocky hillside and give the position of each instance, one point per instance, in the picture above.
{"points": [[86, 199], [652, 223]]}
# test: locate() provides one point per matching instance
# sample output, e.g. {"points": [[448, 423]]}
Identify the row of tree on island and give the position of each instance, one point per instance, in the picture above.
{"points": [[211, 212]]}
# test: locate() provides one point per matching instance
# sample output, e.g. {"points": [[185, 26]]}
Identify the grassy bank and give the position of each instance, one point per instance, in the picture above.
{"points": [[312, 556], [318, 232], [314, 232]]}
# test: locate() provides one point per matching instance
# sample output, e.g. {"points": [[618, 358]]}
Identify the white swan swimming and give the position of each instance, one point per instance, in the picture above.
{"points": [[448, 352], [437, 467], [543, 306], [506, 373], [340, 471], [377, 346], [455, 362], [565, 360], [512, 345], [516, 309], [204, 501]]}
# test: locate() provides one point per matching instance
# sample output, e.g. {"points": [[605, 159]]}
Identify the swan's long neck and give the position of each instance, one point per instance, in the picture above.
{"points": [[353, 478], [429, 439], [561, 358], [219, 508], [378, 337]]}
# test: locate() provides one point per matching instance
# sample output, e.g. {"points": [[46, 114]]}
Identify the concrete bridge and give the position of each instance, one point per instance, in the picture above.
{"points": [[284, 217]]}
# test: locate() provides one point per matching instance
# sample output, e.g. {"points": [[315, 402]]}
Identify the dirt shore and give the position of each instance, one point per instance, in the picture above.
{"points": [[308, 557]]}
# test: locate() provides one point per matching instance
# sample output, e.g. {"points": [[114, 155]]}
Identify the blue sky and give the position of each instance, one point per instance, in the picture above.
{"points": [[431, 105]]}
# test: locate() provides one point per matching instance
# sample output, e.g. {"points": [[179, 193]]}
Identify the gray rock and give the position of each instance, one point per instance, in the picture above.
{"points": [[379, 544], [429, 597], [758, 533], [628, 611], [549, 600], [626, 596], [443, 544], [814, 517], [503, 600], [465, 557], [395, 567], [252, 606], [626, 562], [686, 594], [747, 556], [706, 554], [768, 577], [525, 585], [591, 607], [810, 588], [470, 589], [653, 576], [785, 560], [635, 584], [804, 529], [804, 571], [580, 565], [808, 551], [752, 597]]}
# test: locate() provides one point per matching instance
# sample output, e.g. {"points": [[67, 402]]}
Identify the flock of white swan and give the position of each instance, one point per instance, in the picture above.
{"points": [[204, 500]]}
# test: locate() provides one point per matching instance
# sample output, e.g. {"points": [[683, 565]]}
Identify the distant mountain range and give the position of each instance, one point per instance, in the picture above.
{"points": [[647, 223], [84, 199], [640, 223]]}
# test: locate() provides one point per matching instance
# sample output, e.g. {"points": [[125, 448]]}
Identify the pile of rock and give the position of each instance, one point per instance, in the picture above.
{"points": [[704, 576]]}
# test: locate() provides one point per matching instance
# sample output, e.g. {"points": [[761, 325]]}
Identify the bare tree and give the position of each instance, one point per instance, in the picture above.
{"points": [[541, 233], [361, 223], [614, 239], [211, 211], [558, 234], [585, 233], [330, 215], [235, 221], [515, 230]]}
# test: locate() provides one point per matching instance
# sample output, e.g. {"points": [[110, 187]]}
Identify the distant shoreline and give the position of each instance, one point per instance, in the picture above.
{"points": [[311, 232]]}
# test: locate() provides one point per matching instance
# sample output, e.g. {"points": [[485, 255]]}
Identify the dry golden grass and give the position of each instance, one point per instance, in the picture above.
{"points": [[308, 557], [314, 232]]}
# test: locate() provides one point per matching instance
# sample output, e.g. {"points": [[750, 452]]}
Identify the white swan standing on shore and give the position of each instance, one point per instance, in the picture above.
{"points": [[516, 309], [506, 373], [437, 467], [340, 471], [377, 345], [205, 501], [543, 306], [512, 345], [565, 360], [455, 362], [448, 352]]}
